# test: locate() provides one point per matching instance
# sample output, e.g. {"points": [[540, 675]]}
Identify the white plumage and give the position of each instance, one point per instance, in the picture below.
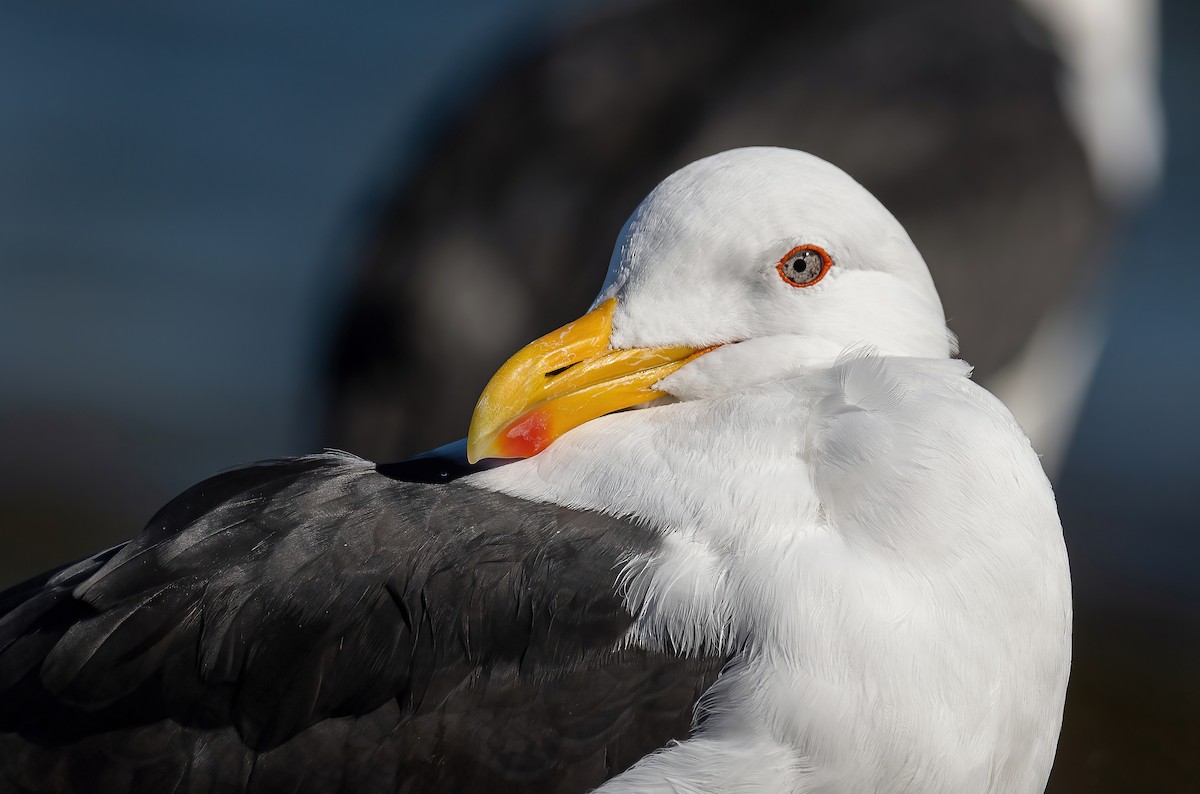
{"points": [[864, 528]]}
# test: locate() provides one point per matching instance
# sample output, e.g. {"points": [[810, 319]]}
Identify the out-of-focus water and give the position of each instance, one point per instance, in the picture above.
{"points": [[176, 186]]}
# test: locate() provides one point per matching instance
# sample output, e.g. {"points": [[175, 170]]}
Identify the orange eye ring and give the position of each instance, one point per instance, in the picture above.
{"points": [[801, 269]]}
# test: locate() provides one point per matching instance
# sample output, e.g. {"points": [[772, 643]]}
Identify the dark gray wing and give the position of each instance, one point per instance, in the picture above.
{"points": [[321, 624]]}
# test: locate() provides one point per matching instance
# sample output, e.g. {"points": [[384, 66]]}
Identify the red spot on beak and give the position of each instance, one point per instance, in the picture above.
{"points": [[527, 436]]}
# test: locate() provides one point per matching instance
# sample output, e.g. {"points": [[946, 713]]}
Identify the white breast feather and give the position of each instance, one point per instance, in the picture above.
{"points": [[890, 578]]}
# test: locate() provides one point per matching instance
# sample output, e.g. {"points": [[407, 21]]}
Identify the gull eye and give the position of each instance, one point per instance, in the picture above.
{"points": [[804, 265]]}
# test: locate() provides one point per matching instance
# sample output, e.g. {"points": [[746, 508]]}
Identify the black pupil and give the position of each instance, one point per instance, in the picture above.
{"points": [[806, 265]]}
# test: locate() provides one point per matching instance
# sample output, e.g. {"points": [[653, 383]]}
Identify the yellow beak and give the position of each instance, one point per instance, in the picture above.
{"points": [[562, 380]]}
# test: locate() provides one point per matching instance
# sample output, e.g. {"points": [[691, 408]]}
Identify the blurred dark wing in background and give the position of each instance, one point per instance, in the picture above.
{"points": [[948, 112]]}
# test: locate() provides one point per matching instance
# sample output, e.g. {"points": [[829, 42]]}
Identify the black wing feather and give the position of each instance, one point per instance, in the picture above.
{"points": [[320, 625]]}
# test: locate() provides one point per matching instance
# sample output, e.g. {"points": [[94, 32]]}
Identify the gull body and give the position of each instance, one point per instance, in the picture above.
{"points": [[863, 528]]}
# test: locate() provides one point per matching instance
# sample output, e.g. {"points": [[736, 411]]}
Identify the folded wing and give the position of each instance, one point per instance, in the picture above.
{"points": [[319, 623]]}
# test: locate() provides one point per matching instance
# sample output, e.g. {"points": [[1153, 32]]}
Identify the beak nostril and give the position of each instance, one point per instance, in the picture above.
{"points": [[561, 370]]}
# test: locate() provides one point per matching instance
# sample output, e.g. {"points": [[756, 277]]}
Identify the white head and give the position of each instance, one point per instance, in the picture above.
{"points": [[697, 263], [774, 249]]}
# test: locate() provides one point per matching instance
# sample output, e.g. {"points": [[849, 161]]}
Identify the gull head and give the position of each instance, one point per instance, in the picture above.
{"points": [[737, 269]]}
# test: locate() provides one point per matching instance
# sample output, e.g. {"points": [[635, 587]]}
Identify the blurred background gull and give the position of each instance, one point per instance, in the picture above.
{"points": [[238, 231]]}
